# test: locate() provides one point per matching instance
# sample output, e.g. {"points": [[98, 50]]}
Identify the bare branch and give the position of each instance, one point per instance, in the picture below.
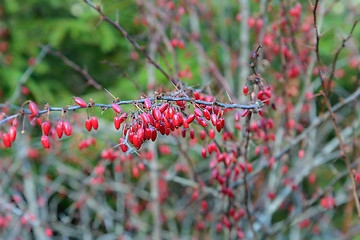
{"points": [[76, 67]]}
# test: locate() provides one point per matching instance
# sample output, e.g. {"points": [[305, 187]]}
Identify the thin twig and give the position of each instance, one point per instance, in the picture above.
{"points": [[244, 41], [246, 186], [132, 41], [333, 65], [77, 68]]}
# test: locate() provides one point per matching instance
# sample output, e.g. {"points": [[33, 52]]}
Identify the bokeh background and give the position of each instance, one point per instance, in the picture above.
{"points": [[28, 28]]}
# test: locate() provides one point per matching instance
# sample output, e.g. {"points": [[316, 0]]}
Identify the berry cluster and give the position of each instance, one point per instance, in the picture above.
{"points": [[165, 117], [151, 116]]}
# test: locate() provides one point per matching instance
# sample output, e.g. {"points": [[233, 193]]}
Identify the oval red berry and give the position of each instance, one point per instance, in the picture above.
{"points": [[6, 140], [147, 103], [246, 90], [33, 109], [116, 108], [80, 102], [198, 112], [94, 122], [12, 133], [45, 141], [88, 124], [45, 126], [59, 129], [67, 128]]}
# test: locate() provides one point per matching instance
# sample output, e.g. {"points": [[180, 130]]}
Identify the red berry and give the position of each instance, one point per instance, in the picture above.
{"points": [[183, 132], [45, 126], [116, 108], [135, 172], [123, 146], [153, 135], [237, 116], [12, 133], [181, 44], [15, 122], [222, 121], [246, 90], [45, 141], [196, 95], [95, 123], [177, 119], [204, 205], [185, 124], [209, 98], [198, 112], [267, 92], [203, 152], [141, 134], [202, 121], [31, 61], [39, 121], [214, 119], [251, 22], [202, 134], [145, 117], [301, 153], [136, 141], [59, 129], [80, 102], [206, 114], [212, 133], [218, 227], [48, 232], [163, 107], [249, 167], [147, 103], [117, 122], [174, 42], [67, 128], [33, 109], [218, 126], [195, 195], [244, 113], [192, 133], [88, 124], [261, 113], [147, 133], [123, 117], [357, 177], [180, 103], [190, 118], [6, 140], [171, 112], [260, 94], [157, 114]]}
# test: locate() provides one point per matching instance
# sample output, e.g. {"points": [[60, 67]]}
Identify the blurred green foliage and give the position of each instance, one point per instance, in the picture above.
{"points": [[74, 29]]}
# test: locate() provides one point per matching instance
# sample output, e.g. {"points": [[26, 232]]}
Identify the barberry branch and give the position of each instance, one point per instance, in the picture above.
{"points": [[132, 102]]}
